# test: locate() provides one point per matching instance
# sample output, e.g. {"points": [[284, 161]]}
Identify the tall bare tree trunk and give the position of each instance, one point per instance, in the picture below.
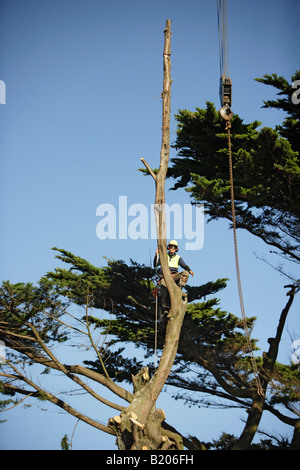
{"points": [[140, 425]]}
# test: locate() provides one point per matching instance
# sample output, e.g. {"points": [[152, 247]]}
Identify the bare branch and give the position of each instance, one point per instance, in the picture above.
{"points": [[18, 403], [57, 401], [63, 369], [149, 169], [92, 341]]}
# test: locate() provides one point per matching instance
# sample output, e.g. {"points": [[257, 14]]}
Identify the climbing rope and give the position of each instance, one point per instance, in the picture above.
{"points": [[225, 112], [238, 275], [156, 315], [155, 336]]}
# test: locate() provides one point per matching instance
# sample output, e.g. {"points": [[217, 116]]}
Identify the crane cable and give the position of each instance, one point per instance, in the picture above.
{"points": [[223, 36], [237, 266], [224, 70]]}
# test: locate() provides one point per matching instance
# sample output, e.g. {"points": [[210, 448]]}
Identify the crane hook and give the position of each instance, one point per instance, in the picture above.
{"points": [[225, 97], [226, 112]]}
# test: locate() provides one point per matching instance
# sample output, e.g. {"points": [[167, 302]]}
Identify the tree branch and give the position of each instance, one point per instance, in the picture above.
{"points": [[149, 169], [57, 401], [63, 369]]}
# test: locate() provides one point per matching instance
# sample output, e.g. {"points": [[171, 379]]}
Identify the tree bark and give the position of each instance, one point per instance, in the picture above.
{"points": [[295, 444]]}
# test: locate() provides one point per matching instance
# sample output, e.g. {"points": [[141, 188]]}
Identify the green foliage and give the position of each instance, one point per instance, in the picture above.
{"points": [[266, 169], [117, 299], [290, 128], [40, 305], [64, 443], [285, 385], [210, 337], [73, 286], [119, 368], [211, 340], [227, 441], [4, 404], [212, 348], [42, 396]]}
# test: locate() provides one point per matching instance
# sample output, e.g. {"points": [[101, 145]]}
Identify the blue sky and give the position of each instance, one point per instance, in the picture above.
{"points": [[83, 82]]}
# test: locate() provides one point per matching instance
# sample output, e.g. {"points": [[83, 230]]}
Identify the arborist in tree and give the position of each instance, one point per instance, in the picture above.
{"points": [[180, 278]]}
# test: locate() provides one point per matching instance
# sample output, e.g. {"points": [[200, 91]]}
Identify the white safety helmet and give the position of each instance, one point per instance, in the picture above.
{"points": [[174, 243]]}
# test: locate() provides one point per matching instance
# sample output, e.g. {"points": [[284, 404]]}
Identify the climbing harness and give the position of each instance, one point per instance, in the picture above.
{"points": [[226, 114]]}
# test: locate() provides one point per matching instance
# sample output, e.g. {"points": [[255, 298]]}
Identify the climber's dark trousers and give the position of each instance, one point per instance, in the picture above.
{"points": [[180, 279]]}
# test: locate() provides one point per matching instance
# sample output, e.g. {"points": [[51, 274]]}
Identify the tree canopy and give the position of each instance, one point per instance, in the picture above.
{"points": [[212, 357], [266, 168]]}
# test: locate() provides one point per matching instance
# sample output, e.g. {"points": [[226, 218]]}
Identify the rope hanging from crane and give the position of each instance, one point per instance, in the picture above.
{"points": [[226, 113]]}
